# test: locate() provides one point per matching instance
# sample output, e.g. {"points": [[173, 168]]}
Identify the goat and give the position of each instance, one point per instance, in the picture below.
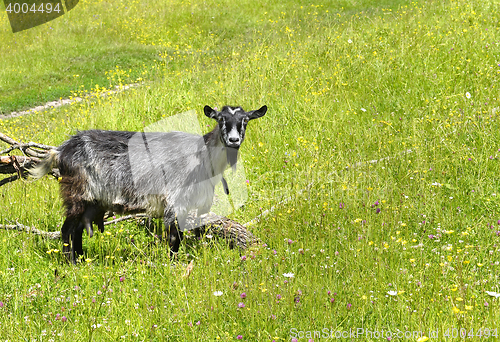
{"points": [[162, 174]]}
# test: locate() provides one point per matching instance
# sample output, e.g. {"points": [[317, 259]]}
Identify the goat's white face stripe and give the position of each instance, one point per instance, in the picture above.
{"points": [[233, 111]]}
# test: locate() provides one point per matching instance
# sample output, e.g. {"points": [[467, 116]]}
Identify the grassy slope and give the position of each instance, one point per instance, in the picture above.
{"points": [[63, 56], [342, 86]]}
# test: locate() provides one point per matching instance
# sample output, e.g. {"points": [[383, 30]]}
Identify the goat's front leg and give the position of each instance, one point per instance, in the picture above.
{"points": [[174, 234]]}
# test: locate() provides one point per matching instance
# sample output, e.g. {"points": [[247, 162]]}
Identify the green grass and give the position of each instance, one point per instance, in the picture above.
{"points": [[67, 55], [69, 73], [343, 86]]}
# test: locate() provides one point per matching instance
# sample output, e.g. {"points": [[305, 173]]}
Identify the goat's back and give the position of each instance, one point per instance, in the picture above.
{"points": [[134, 171]]}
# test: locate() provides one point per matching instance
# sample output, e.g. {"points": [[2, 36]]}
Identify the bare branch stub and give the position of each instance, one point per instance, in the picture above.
{"points": [[7, 139], [31, 149]]}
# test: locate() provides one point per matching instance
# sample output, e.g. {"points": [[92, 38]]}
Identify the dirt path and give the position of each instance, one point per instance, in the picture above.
{"points": [[59, 103]]}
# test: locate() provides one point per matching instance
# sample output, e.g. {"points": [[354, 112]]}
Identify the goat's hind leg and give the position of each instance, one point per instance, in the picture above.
{"points": [[87, 219], [93, 214], [77, 242], [99, 220]]}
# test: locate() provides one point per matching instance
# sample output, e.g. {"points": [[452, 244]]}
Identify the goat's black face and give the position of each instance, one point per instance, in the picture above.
{"points": [[233, 123]]}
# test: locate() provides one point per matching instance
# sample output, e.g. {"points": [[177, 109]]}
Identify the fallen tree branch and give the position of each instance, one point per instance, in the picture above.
{"points": [[8, 179], [125, 218], [219, 226], [19, 165], [22, 228], [26, 148], [14, 164], [7, 139], [32, 154], [234, 232]]}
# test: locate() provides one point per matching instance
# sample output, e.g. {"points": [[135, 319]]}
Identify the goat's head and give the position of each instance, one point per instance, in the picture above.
{"points": [[233, 123]]}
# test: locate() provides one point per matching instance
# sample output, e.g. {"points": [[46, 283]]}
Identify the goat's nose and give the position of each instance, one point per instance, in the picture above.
{"points": [[234, 140]]}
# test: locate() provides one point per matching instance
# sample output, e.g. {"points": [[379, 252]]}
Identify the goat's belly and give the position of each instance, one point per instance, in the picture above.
{"points": [[153, 205], [194, 197], [156, 206]]}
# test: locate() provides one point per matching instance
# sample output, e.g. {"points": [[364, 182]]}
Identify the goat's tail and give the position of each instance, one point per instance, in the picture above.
{"points": [[45, 166]]}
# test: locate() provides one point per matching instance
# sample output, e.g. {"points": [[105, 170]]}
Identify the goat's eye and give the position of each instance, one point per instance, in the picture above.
{"points": [[246, 120]]}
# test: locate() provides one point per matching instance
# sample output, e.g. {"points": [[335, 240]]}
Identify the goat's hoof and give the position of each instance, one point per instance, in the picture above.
{"points": [[174, 255]]}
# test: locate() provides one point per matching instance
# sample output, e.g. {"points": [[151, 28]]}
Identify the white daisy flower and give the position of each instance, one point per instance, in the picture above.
{"points": [[493, 294]]}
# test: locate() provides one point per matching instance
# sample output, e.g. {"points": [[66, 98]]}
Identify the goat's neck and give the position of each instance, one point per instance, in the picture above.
{"points": [[217, 151]]}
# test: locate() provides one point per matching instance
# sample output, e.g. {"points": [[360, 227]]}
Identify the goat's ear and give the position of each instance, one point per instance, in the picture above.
{"points": [[209, 112], [254, 114]]}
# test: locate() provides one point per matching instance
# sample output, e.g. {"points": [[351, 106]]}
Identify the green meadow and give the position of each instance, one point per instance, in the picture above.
{"points": [[379, 155]]}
